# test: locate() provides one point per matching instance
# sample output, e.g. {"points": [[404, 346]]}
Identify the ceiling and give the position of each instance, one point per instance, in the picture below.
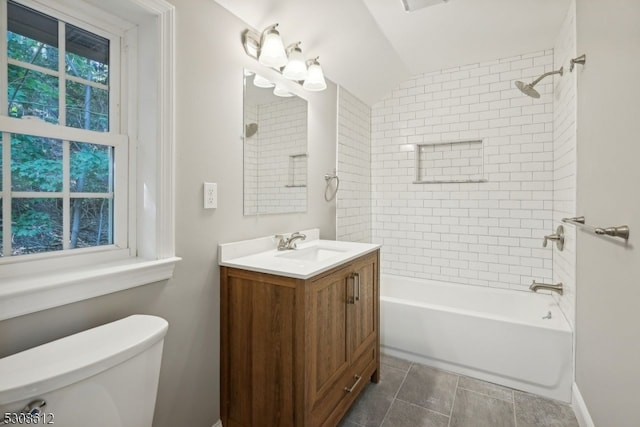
{"points": [[370, 46]]}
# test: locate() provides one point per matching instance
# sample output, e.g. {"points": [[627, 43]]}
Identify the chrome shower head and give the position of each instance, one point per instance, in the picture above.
{"points": [[527, 88]]}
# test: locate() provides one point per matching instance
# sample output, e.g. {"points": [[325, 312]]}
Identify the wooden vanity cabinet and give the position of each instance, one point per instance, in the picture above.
{"points": [[297, 352]]}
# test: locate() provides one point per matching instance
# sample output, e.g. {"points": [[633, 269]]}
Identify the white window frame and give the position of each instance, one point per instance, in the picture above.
{"points": [[30, 283], [116, 138]]}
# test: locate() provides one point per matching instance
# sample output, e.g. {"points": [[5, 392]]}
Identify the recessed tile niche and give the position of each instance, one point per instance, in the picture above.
{"points": [[450, 161]]}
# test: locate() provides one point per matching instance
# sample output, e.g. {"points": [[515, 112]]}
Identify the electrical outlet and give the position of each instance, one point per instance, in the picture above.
{"points": [[210, 195]]}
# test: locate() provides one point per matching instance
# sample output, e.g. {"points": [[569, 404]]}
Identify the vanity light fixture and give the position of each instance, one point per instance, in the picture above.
{"points": [[315, 77], [272, 52], [281, 91], [269, 50], [251, 43], [262, 82], [296, 68]]}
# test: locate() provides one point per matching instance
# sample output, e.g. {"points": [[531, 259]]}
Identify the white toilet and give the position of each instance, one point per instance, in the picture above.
{"points": [[105, 376]]}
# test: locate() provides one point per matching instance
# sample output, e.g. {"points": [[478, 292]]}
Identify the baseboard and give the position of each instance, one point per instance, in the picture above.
{"points": [[580, 408], [218, 424]]}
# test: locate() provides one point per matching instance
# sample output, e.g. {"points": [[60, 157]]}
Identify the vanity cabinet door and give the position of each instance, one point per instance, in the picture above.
{"points": [[259, 352], [327, 343], [343, 346], [363, 315]]}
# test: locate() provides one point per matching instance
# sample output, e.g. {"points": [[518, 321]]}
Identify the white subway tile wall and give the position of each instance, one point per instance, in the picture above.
{"points": [[250, 165], [488, 233], [564, 172], [353, 205], [278, 146], [451, 162]]}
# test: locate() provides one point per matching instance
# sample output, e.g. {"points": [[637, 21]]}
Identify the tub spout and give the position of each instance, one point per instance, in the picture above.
{"points": [[555, 288]]}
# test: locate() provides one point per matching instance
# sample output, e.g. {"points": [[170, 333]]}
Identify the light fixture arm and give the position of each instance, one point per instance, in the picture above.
{"points": [[292, 46], [312, 60], [266, 30]]}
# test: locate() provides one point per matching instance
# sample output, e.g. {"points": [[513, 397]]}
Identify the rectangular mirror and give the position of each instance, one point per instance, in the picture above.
{"points": [[275, 149]]}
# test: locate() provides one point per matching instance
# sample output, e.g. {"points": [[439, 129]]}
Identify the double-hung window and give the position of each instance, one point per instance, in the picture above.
{"points": [[64, 158], [86, 127]]}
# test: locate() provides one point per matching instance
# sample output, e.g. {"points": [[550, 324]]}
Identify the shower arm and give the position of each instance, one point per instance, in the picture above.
{"points": [[550, 73]]}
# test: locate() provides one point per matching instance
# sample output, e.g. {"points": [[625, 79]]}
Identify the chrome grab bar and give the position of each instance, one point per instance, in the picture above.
{"points": [[621, 231]]}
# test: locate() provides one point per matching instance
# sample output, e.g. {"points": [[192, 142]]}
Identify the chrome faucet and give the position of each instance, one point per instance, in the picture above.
{"points": [[556, 288], [285, 243]]}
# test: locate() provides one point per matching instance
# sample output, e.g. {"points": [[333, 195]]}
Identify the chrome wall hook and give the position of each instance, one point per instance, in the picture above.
{"points": [[579, 60]]}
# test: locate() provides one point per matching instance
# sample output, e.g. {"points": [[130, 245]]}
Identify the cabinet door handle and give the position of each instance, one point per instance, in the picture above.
{"points": [[357, 286], [353, 387], [353, 298]]}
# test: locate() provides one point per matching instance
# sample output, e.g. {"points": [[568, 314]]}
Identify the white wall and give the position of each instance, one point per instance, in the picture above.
{"points": [[353, 207], [486, 233], [564, 162], [608, 272], [209, 66]]}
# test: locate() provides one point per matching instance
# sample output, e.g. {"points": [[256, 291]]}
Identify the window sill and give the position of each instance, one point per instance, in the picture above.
{"points": [[30, 293]]}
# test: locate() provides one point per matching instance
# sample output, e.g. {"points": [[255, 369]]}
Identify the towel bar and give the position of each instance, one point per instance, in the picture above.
{"points": [[621, 231]]}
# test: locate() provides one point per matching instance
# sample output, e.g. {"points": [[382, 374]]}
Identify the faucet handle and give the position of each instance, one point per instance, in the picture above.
{"points": [[558, 237], [282, 241]]}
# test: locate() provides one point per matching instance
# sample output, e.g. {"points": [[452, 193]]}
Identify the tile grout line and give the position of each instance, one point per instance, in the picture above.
{"points": [[422, 407], [406, 374], [455, 392], [487, 395], [515, 419]]}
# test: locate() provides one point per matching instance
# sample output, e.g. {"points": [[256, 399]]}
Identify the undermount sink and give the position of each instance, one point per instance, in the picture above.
{"points": [[313, 253]]}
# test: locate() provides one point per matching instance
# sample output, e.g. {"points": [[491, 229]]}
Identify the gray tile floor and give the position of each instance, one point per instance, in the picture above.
{"points": [[414, 395]]}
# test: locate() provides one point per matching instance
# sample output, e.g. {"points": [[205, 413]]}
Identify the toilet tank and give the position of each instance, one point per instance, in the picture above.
{"points": [[105, 376]]}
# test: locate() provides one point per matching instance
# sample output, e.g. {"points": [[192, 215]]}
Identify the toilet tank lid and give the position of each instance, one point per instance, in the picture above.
{"points": [[71, 359]]}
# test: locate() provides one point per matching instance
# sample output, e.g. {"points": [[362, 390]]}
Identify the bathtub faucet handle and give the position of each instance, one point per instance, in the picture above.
{"points": [[558, 237]]}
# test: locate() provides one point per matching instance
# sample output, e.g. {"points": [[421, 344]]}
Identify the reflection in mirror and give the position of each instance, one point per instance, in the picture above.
{"points": [[275, 149]]}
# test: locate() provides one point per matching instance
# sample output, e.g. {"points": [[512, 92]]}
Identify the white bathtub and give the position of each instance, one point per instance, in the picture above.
{"points": [[491, 334]]}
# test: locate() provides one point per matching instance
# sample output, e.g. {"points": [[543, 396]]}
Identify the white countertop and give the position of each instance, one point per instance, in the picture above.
{"points": [[311, 257]]}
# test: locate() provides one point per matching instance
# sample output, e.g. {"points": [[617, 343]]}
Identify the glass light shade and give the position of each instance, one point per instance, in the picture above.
{"points": [[272, 53], [260, 81], [296, 68], [315, 78], [282, 92]]}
